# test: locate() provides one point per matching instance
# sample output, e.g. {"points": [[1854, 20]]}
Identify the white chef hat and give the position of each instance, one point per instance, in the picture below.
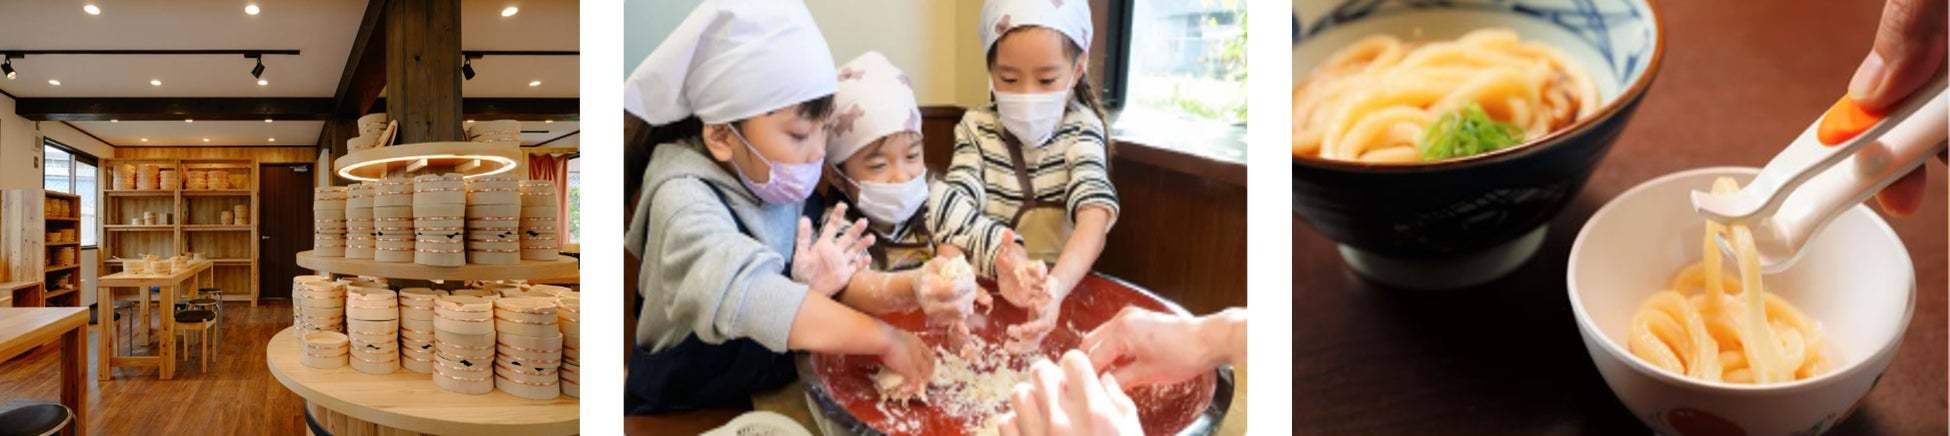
{"points": [[730, 60], [874, 100], [1071, 17]]}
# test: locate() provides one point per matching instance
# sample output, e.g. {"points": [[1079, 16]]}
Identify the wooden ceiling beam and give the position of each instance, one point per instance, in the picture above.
{"points": [[524, 109], [172, 108]]}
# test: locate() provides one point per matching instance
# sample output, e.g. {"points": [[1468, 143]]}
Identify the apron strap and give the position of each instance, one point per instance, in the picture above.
{"points": [[1023, 179]]}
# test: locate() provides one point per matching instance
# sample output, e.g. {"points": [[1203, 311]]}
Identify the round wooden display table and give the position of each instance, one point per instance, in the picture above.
{"points": [[472, 159], [345, 401], [563, 267]]}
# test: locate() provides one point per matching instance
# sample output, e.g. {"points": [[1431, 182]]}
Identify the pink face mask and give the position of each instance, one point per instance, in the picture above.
{"points": [[784, 183]]}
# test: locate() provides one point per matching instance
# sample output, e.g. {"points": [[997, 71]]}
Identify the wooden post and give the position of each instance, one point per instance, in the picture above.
{"points": [[423, 75]]}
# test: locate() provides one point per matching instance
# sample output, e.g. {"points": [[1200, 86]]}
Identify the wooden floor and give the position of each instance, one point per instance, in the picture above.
{"points": [[237, 395]]}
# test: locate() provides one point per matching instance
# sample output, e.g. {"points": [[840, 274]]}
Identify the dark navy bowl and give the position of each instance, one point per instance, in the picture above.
{"points": [[1460, 222]]}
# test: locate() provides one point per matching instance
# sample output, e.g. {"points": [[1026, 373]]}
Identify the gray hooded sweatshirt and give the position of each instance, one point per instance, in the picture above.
{"points": [[700, 274]]}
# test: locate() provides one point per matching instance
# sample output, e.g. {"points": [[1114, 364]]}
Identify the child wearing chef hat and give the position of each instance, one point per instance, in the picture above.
{"points": [[1029, 181], [729, 283], [876, 159]]}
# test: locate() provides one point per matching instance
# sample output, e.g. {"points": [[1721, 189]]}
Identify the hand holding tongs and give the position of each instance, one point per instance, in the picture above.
{"points": [[1827, 170]]}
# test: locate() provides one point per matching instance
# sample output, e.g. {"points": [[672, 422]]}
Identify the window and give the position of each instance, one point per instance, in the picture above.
{"points": [[1187, 58], [67, 170], [575, 200]]}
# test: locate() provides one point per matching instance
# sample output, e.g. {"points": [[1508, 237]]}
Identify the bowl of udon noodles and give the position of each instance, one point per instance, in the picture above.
{"points": [[1435, 140], [1668, 319]]}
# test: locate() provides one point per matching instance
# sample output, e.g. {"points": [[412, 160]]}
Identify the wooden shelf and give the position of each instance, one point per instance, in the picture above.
{"points": [[192, 212], [562, 268], [408, 400], [217, 228], [219, 193], [63, 219], [62, 244], [63, 268], [130, 228], [138, 193], [50, 294], [468, 158]]}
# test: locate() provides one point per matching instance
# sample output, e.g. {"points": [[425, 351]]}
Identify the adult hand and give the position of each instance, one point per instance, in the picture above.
{"points": [[1070, 400], [1129, 345], [1909, 49]]}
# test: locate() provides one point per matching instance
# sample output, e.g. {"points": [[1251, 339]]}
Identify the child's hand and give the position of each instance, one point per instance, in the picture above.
{"points": [[906, 355], [1023, 282], [1028, 336], [826, 264], [947, 291]]}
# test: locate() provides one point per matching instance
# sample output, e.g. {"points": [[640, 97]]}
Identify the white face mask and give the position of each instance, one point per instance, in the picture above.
{"points": [[891, 203], [1031, 117]]}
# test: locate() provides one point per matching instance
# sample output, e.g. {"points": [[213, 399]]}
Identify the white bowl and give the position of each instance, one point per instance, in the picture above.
{"points": [[1855, 280]]}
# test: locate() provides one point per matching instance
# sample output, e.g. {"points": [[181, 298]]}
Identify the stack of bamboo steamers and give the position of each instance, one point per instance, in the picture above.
{"points": [[372, 322], [439, 220], [517, 338], [392, 220], [328, 221]]}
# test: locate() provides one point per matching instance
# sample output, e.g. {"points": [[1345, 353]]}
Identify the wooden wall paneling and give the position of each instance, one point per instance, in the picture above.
{"points": [[23, 241], [1181, 236], [299, 154]]}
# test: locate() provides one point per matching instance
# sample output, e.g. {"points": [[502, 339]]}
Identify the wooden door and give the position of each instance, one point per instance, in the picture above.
{"points": [[284, 199]]}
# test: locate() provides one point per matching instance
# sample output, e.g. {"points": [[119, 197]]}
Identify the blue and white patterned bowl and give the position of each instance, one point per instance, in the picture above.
{"points": [[1465, 221]]}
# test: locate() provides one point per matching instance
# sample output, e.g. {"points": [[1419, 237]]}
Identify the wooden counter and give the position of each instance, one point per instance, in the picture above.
{"points": [[1739, 82], [346, 401]]}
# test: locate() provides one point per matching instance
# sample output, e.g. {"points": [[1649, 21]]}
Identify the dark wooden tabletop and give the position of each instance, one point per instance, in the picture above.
{"points": [[1739, 82]]}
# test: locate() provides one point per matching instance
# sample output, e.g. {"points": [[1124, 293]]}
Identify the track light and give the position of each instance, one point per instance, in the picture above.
{"points": [[467, 69], [7, 65], [257, 72]]}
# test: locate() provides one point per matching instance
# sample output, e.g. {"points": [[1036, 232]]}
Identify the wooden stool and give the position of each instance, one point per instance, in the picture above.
{"points": [[216, 295], [198, 322]]}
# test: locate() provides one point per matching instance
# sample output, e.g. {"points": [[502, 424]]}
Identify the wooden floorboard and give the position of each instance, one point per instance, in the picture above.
{"points": [[237, 395]]}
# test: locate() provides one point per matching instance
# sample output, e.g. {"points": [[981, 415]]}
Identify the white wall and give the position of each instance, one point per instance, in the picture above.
{"points": [[935, 42], [20, 166]]}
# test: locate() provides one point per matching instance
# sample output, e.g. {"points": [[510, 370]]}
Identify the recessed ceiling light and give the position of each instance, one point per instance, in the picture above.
{"points": [[155, 82], [534, 83], [251, 9], [206, 139], [145, 139], [262, 82], [91, 9], [114, 120], [189, 120], [470, 121], [53, 82], [267, 120], [510, 11], [548, 121], [273, 139]]}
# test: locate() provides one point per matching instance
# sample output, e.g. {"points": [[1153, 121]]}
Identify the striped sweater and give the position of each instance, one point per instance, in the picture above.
{"points": [[980, 192]]}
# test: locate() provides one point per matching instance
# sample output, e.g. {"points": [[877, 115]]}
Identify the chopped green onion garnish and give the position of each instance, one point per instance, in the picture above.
{"points": [[1467, 131]]}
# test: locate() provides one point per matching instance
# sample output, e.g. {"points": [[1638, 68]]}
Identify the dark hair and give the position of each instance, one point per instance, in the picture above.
{"points": [[1083, 92], [640, 138]]}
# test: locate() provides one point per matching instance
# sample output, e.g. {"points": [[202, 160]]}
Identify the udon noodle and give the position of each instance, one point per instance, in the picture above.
{"points": [[1699, 329], [1375, 100]]}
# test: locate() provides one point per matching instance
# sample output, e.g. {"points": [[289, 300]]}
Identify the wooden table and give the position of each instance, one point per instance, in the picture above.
{"points": [[347, 401], [24, 328], [173, 284], [1739, 82]]}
